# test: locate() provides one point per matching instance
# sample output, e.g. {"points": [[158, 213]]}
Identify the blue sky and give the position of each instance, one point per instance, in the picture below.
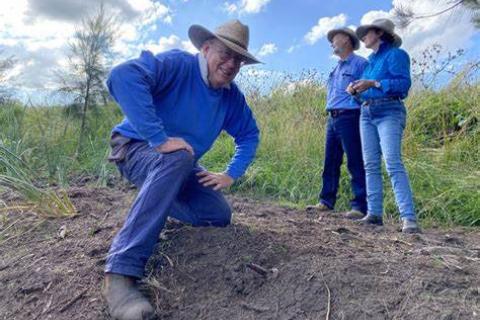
{"points": [[289, 36], [283, 24]]}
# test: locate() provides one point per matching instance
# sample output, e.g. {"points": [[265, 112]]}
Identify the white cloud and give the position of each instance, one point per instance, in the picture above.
{"points": [[170, 42], [230, 7], [140, 5], [267, 49], [245, 6], [324, 25], [154, 11], [293, 48], [253, 6], [373, 15], [422, 33], [37, 32]]}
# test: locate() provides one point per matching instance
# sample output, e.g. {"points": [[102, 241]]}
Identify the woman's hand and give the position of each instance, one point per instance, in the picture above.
{"points": [[362, 85], [350, 89]]}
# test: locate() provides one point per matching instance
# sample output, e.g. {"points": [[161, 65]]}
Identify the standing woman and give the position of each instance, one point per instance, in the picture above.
{"points": [[384, 84]]}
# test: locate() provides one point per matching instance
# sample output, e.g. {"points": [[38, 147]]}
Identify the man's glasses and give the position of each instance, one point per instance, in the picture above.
{"points": [[225, 54]]}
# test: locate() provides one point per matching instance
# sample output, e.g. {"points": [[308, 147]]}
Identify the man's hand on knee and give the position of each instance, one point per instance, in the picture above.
{"points": [[175, 144], [216, 180]]}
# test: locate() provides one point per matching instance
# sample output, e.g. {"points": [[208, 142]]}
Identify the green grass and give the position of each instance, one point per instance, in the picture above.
{"points": [[441, 153], [441, 149]]}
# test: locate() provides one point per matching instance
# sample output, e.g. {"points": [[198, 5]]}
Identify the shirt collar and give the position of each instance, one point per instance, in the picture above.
{"points": [[202, 63], [347, 60], [383, 46]]}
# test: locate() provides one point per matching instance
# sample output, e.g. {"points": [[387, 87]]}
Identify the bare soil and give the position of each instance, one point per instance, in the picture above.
{"points": [[273, 262]]}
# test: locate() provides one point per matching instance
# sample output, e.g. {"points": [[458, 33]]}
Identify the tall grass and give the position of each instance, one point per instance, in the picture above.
{"points": [[441, 152], [18, 177], [441, 149]]}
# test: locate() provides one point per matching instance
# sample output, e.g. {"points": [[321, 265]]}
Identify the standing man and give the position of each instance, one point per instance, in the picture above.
{"points": [[175, 106], [343, 134]]}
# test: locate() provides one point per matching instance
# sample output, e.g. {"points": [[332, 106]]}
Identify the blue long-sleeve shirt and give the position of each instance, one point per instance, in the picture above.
{"points": [[345, 71], [165, 96], [391, 67]]}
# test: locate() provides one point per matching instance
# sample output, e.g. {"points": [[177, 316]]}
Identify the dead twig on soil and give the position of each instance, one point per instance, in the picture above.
{"points": [[170, 262], [8, 227], [273, 272], [153, 282], [105, 217], [23, 233], [254, 308], [327, 317], [258, 269], [397, 240], [15, 208], [71, 302]]}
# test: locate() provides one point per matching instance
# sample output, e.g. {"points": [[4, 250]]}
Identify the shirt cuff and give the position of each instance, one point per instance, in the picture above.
{"points": [[233, 175], [384, 85], [158, 139]]}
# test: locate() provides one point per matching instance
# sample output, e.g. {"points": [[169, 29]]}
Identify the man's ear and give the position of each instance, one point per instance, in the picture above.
{"points": [[205, 48]]}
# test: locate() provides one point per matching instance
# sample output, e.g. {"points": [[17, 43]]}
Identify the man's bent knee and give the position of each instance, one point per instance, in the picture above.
{"points": [[181, 159], [224, 215]]}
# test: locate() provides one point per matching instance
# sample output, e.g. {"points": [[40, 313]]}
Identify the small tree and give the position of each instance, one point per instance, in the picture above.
{"points": [[6, 64], [404, 12], [89, 62]]}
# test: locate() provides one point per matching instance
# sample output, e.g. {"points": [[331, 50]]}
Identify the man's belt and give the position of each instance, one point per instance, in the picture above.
{"points": [[340, 112], [370, 102]]}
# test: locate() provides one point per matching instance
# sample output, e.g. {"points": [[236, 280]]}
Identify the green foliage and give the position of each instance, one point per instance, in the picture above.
{"points": [[441, 149], [15, 174], [441, 153]]}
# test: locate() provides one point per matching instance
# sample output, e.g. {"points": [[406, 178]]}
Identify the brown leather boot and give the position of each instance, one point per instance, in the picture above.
{"points": [[319, 207], [355, 214], [124, 300]]}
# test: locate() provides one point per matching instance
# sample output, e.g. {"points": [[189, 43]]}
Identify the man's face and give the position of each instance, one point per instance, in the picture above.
{"points": [[371, 38], [340, 43], [223, 63]]}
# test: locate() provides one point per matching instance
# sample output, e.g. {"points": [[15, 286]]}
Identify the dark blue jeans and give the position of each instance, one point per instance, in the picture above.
{"points": [[167, 186], [343, 136]]}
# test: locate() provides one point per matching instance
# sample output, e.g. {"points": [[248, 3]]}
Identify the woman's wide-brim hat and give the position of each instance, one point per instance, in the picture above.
{"points": [[383, 24]]}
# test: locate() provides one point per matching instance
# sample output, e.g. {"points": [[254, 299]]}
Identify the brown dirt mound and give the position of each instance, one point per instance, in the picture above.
{"points": [[273, 262]]}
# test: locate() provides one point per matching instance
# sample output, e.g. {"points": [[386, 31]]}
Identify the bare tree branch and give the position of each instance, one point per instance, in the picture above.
{"points": [[404, 13]]}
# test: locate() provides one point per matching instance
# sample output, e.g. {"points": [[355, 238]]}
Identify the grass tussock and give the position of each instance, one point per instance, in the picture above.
{"points": [[441, 150]]}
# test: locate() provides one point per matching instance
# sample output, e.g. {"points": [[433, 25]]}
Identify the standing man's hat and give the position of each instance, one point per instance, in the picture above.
{"points": [[347, 31], [233, 34], [383, 24]]}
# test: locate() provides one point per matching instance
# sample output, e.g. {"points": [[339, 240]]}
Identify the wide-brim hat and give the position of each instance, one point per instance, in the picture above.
{"points": [[233, 34], [383, 24], [347, 31]]}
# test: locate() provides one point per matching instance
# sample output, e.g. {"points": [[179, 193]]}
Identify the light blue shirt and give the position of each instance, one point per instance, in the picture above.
{"points": [[345, 71], [391, 67]]}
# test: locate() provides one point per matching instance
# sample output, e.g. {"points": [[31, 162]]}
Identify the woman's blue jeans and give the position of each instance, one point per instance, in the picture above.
{"points": [[381, 131]]}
